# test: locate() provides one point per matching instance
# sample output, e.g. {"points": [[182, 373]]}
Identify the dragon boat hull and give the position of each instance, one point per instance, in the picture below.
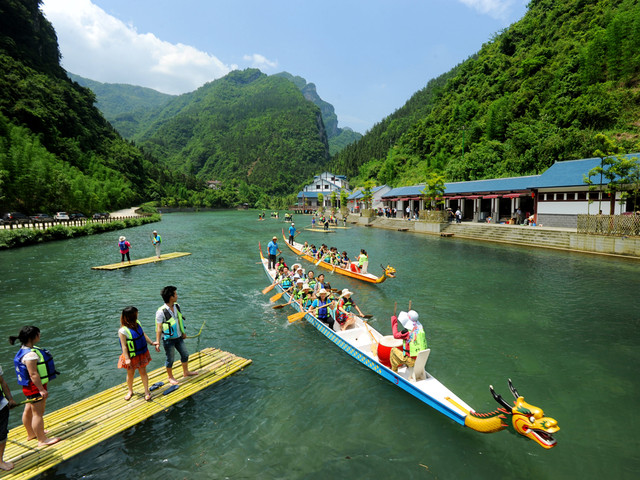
{"points": [[365, 277], [357, 343]]}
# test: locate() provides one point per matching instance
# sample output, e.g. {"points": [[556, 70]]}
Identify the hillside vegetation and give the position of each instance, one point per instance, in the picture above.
{"points": [[57, 152], [538, 92], [246, 127]]}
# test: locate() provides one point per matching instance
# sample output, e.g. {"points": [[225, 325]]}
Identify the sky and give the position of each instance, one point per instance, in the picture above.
{"points": [[366, 57]]}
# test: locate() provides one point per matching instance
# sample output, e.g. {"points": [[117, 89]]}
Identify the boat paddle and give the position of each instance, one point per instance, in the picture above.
{"points": [[200, 331], [367, 316], [299, 315], [28, 400], [277, 296], [280, 305], [269, 288]]}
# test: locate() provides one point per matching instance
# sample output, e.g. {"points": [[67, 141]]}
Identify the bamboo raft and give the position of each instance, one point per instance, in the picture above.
{"points": [[141, 261], [320, 230], [94, 419]]}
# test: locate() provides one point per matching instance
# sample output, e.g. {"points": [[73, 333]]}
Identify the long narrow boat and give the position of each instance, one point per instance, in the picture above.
{"points": [[365, 344], [388, 272]]}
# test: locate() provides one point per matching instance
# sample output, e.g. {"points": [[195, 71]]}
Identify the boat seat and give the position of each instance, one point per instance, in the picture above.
{"points": [[418, 369]]}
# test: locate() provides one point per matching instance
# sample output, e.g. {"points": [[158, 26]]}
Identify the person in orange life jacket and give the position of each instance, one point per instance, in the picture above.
{"points": [[135, 354], [343, 311], [124, 248], [34, 368], [6, 402], [170, 325], [413, 339], [322, 304]]}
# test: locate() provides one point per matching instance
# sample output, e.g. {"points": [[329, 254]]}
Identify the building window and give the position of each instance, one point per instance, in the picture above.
{"points": [[318, 187], [326, 187]]}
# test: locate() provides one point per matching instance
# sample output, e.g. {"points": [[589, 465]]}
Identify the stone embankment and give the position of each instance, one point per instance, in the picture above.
{"points": [[539, 237]]}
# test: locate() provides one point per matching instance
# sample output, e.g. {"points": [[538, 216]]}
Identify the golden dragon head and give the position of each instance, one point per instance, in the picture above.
{"points": [[528, 420], [389, 271]]}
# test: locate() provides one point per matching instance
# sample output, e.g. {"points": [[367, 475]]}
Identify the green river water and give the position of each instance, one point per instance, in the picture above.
{"points": [[565, 327]]}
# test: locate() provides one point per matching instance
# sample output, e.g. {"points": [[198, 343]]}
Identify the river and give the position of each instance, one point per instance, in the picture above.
{"points": [[564, 327]]}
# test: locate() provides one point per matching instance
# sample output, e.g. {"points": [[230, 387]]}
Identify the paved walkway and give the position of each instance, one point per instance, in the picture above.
{"points": [[127, 212]]}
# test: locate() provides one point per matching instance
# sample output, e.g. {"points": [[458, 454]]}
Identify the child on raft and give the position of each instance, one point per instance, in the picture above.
{"points": [[135, 354], [34, 368]]}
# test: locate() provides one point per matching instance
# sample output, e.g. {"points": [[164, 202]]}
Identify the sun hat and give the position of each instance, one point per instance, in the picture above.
{"points": [[122, 238], [408, 319], [322, 291], [346, 292], [299, 281], [306, 287], [274, 237]]}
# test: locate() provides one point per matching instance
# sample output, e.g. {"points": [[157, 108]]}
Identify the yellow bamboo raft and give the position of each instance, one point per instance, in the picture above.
{"points": [[92, 420], [320, 230], [141, 261]]}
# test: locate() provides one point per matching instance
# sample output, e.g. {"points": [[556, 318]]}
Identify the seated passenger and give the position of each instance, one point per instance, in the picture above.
{"points": [[320, 308], [343, 311], [413, 340]]}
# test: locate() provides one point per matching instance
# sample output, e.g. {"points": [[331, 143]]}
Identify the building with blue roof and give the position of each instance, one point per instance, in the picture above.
{"points": [[326, 183], [355, 201], [553, 198]]}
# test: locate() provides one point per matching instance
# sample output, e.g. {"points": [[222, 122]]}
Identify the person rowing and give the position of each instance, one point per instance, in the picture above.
{"points": [[344, 316], [344, 260], [322, 305]]}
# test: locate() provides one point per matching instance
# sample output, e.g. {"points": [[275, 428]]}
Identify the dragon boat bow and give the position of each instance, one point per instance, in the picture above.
{"points": [[387, 272], [365, 344]]}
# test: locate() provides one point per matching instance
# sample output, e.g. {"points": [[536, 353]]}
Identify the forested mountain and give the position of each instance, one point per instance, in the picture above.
{"points": [[119, 102], [57, 152], [538, 92], [246, 126], [338, 137]]}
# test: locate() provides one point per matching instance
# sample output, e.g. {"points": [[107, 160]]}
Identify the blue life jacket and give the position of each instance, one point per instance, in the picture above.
{"points": [[46, 367], [322, 314], [287, 282], [136, 341]]}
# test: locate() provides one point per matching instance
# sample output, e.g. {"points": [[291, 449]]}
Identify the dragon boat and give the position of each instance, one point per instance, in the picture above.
{"points": [[387, 272], [365, 344]]}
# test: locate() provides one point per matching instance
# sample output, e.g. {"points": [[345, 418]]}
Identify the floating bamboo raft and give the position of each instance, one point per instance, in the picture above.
{"points": [[141, 261], [320, 230], [94, 419]]}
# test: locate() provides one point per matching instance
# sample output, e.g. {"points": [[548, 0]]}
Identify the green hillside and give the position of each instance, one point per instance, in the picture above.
{"points": [[538, 92], [338, 137], [57, 152], [246, 127], [120, 103]]}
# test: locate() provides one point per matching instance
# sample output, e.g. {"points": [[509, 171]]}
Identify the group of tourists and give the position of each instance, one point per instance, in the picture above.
{"points": [[125, 246], [35, 367], [331, 256]]}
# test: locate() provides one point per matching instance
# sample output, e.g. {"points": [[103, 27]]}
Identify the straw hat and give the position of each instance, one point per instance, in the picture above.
{"points": [[299, 281], [322, 291], [306, 287], [122, 238], [346, 292], [274, 237]]}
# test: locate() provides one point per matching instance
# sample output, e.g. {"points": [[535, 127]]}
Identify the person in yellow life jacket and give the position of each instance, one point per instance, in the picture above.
{"points": [[170, 325], [135, 354], [413, 338], [34, 368]]}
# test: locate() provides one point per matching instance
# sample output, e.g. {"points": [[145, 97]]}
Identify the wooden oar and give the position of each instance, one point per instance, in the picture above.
{"points": [[281, 305], [277, 296], [269, 288], [299, 315], [367, 316], [321, 258]]}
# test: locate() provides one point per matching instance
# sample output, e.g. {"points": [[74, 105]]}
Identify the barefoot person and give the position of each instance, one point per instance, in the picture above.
{"points": [[170, 324], [156, 240], [6, 402], [135, 354], [35, 368]]}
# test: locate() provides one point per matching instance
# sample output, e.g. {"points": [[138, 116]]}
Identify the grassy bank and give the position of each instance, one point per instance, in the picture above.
{"points": [[28, 236]]}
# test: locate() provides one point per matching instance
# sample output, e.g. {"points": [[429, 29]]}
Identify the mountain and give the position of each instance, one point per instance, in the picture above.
{"points": [[119, 102], [538, 92], [338, 137], [57, 152], [246, 127]]}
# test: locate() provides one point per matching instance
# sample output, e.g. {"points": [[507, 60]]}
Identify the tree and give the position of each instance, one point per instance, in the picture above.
{"points": [[434, 188], [334, 198], [343, 198], [320, 200], [367, 194], [614, 168]]}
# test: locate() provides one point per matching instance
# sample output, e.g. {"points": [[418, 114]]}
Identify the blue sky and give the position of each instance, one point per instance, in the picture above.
{"points": [[366, 58]]}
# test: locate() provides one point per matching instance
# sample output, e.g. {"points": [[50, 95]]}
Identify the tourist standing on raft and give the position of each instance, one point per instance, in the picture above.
{"points": [[273, 250], [6, 402], [156, 240], [413, 339], [170, 324], [135, 354], [292, 233], [124, 248], [34, 368]]}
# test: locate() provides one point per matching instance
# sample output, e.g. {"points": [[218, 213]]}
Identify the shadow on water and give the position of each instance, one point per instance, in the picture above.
{"points": [[564, 327]]}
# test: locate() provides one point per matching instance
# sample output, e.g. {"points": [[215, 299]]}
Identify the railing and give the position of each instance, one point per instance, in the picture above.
{"points": [[43, 225], [619, 225]]}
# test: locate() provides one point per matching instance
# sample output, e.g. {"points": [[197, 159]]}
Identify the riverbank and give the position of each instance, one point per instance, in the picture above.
{"points": [[27, 236], [555, 238]]}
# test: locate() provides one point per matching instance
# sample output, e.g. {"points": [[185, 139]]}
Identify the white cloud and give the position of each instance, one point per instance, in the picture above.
{"points": [[498, 9], [98, 46], [259, 61]]}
